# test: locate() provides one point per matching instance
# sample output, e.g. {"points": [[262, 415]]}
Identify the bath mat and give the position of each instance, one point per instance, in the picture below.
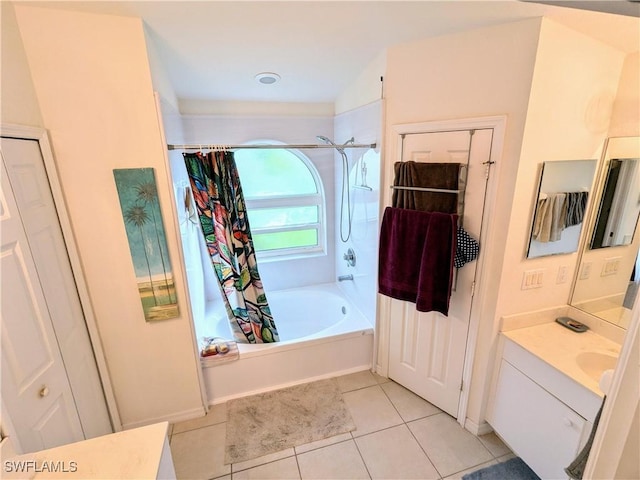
{"points": [[513, 469], [269, 422]]}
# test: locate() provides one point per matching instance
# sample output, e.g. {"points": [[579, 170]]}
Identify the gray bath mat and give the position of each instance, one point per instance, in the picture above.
{"points": [[273, 421], [513, 469]]}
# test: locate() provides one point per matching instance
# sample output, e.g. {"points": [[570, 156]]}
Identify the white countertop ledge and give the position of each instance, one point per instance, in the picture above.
{"points": [[130, 454], [559, 347]]}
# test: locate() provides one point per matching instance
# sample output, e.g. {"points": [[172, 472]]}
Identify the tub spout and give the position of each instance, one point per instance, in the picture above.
{"points": [[342, 278]]}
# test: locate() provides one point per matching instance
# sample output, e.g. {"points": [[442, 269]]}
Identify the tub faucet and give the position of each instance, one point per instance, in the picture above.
{"points": [[342, 278]]}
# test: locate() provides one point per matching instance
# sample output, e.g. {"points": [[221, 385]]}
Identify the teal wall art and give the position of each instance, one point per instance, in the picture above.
{"points": [[147, 242]]}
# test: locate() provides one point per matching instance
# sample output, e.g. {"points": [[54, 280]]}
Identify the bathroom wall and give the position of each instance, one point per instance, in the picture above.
{"points": [[290, 129], [572, 93], [93, 85], [19, 104], [365, 125], [366, 88], [625, 118]]}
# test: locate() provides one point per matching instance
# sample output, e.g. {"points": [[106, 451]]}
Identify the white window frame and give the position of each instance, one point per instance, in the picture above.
{"points": [[317, 199]]}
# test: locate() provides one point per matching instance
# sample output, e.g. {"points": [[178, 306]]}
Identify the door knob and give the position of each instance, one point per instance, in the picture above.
{"points": [[44, 391]]}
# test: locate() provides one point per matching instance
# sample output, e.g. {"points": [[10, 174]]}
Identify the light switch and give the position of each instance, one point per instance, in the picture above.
{"points": [[532, 279], [610, 266]]}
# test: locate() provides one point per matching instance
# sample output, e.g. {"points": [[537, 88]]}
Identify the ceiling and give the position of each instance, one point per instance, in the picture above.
{"points": [[212, 49]]}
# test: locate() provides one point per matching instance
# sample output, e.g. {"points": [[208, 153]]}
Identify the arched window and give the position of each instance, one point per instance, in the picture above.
{"points": [[285, 201]]}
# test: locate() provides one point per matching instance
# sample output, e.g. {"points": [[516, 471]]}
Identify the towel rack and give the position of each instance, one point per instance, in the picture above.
{"points": [[463, 171], [424, 189]]}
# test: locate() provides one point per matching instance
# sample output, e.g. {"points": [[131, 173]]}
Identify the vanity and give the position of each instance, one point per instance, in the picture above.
{"points": [[546, 391]]}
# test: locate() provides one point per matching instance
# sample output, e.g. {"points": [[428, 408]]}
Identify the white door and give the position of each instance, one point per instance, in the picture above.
{"points": [[50, 383], [427, 349]]}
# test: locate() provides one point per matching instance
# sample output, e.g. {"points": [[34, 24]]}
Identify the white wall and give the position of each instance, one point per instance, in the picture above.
{"points": [[94, 89], [572, 93], [625, 118], [365, 125], [366, 88], [18, 102], [290, 129]]}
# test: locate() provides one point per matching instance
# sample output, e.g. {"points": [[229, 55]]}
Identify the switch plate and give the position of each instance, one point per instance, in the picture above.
{"points": [[610, 266], [585, 271], [562, 274], [532, 279]]}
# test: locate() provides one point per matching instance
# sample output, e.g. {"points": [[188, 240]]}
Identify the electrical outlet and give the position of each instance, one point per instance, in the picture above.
{"points": [[532, 279], [585, 271], [562, 274]]}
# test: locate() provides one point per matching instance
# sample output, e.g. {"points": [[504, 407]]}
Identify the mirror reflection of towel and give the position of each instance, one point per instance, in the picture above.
{"points": [[551, 216], [576, 205]]}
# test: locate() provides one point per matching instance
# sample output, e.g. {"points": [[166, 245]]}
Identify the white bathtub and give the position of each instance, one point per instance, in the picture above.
{"points": [[321, 335]]}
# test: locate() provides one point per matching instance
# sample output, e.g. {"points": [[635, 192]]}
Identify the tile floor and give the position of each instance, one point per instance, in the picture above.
{"points": [[399, 436]]}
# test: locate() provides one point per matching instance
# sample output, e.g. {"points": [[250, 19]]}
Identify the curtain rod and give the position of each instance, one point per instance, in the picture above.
{"points": [[267, 146]]}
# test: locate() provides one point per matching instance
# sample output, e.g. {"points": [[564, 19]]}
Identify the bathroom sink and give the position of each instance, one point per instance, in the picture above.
{"points": [[595, 363]]}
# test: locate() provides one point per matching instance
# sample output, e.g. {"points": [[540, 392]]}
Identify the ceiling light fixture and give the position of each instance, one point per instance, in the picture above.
{"points": [[267, 78]]}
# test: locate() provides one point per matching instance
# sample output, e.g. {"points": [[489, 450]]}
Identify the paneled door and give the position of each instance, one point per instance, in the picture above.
{"points": [[51, 388], [427, 349]]}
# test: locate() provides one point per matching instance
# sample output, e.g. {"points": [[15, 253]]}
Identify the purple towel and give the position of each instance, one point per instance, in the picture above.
{"points": [[416, 256]]}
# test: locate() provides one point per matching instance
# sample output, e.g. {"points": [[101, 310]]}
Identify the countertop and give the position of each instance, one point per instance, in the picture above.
{"points": [[136, 453], [559, 347]]}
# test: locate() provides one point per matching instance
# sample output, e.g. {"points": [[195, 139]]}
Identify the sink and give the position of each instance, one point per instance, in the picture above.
{"points": [[595, 363]]}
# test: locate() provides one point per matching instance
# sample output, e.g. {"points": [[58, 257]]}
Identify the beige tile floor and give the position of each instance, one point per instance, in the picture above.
{"points": [[398, 436]]}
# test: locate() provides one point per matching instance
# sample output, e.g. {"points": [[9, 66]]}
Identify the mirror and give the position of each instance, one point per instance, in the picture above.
{"points": [[608, 272], [560, 207], [619, 204]]}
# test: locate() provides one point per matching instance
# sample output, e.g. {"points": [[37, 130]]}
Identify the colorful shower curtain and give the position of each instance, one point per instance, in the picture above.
{"points": [[223, 216]]}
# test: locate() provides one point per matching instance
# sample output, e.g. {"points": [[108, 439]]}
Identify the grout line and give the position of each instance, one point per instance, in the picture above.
{"points": [[361, 457], [297, 464], [424, 451]]}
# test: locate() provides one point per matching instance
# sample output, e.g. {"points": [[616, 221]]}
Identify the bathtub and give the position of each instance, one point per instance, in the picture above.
{"points": [[333, 339]]}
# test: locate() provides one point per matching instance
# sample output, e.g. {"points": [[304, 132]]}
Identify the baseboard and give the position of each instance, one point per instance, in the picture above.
{"points": [[477, 429], [173, 418]]}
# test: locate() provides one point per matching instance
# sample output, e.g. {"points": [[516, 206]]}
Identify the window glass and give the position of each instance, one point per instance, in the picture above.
{"points": [[273, 173], [281, 240], [285, 216], [285, 201]]}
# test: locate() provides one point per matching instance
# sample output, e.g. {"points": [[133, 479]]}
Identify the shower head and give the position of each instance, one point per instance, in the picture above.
{"points": [[325, 140], [340, 148]]}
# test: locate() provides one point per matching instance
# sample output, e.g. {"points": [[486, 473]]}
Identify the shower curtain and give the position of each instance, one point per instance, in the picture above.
{"points": [[223, 217]]}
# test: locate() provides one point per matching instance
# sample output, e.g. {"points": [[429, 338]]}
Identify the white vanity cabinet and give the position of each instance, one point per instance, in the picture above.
{"points": [[541, 414], [538, 427]]}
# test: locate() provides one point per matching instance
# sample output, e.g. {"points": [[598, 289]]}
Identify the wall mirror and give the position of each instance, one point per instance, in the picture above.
{"points": [[619, 204], [608, 272], [560, 207]]}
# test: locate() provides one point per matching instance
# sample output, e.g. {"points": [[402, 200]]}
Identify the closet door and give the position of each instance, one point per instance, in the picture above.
{"points": [[50, 383], [427, 349]]}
